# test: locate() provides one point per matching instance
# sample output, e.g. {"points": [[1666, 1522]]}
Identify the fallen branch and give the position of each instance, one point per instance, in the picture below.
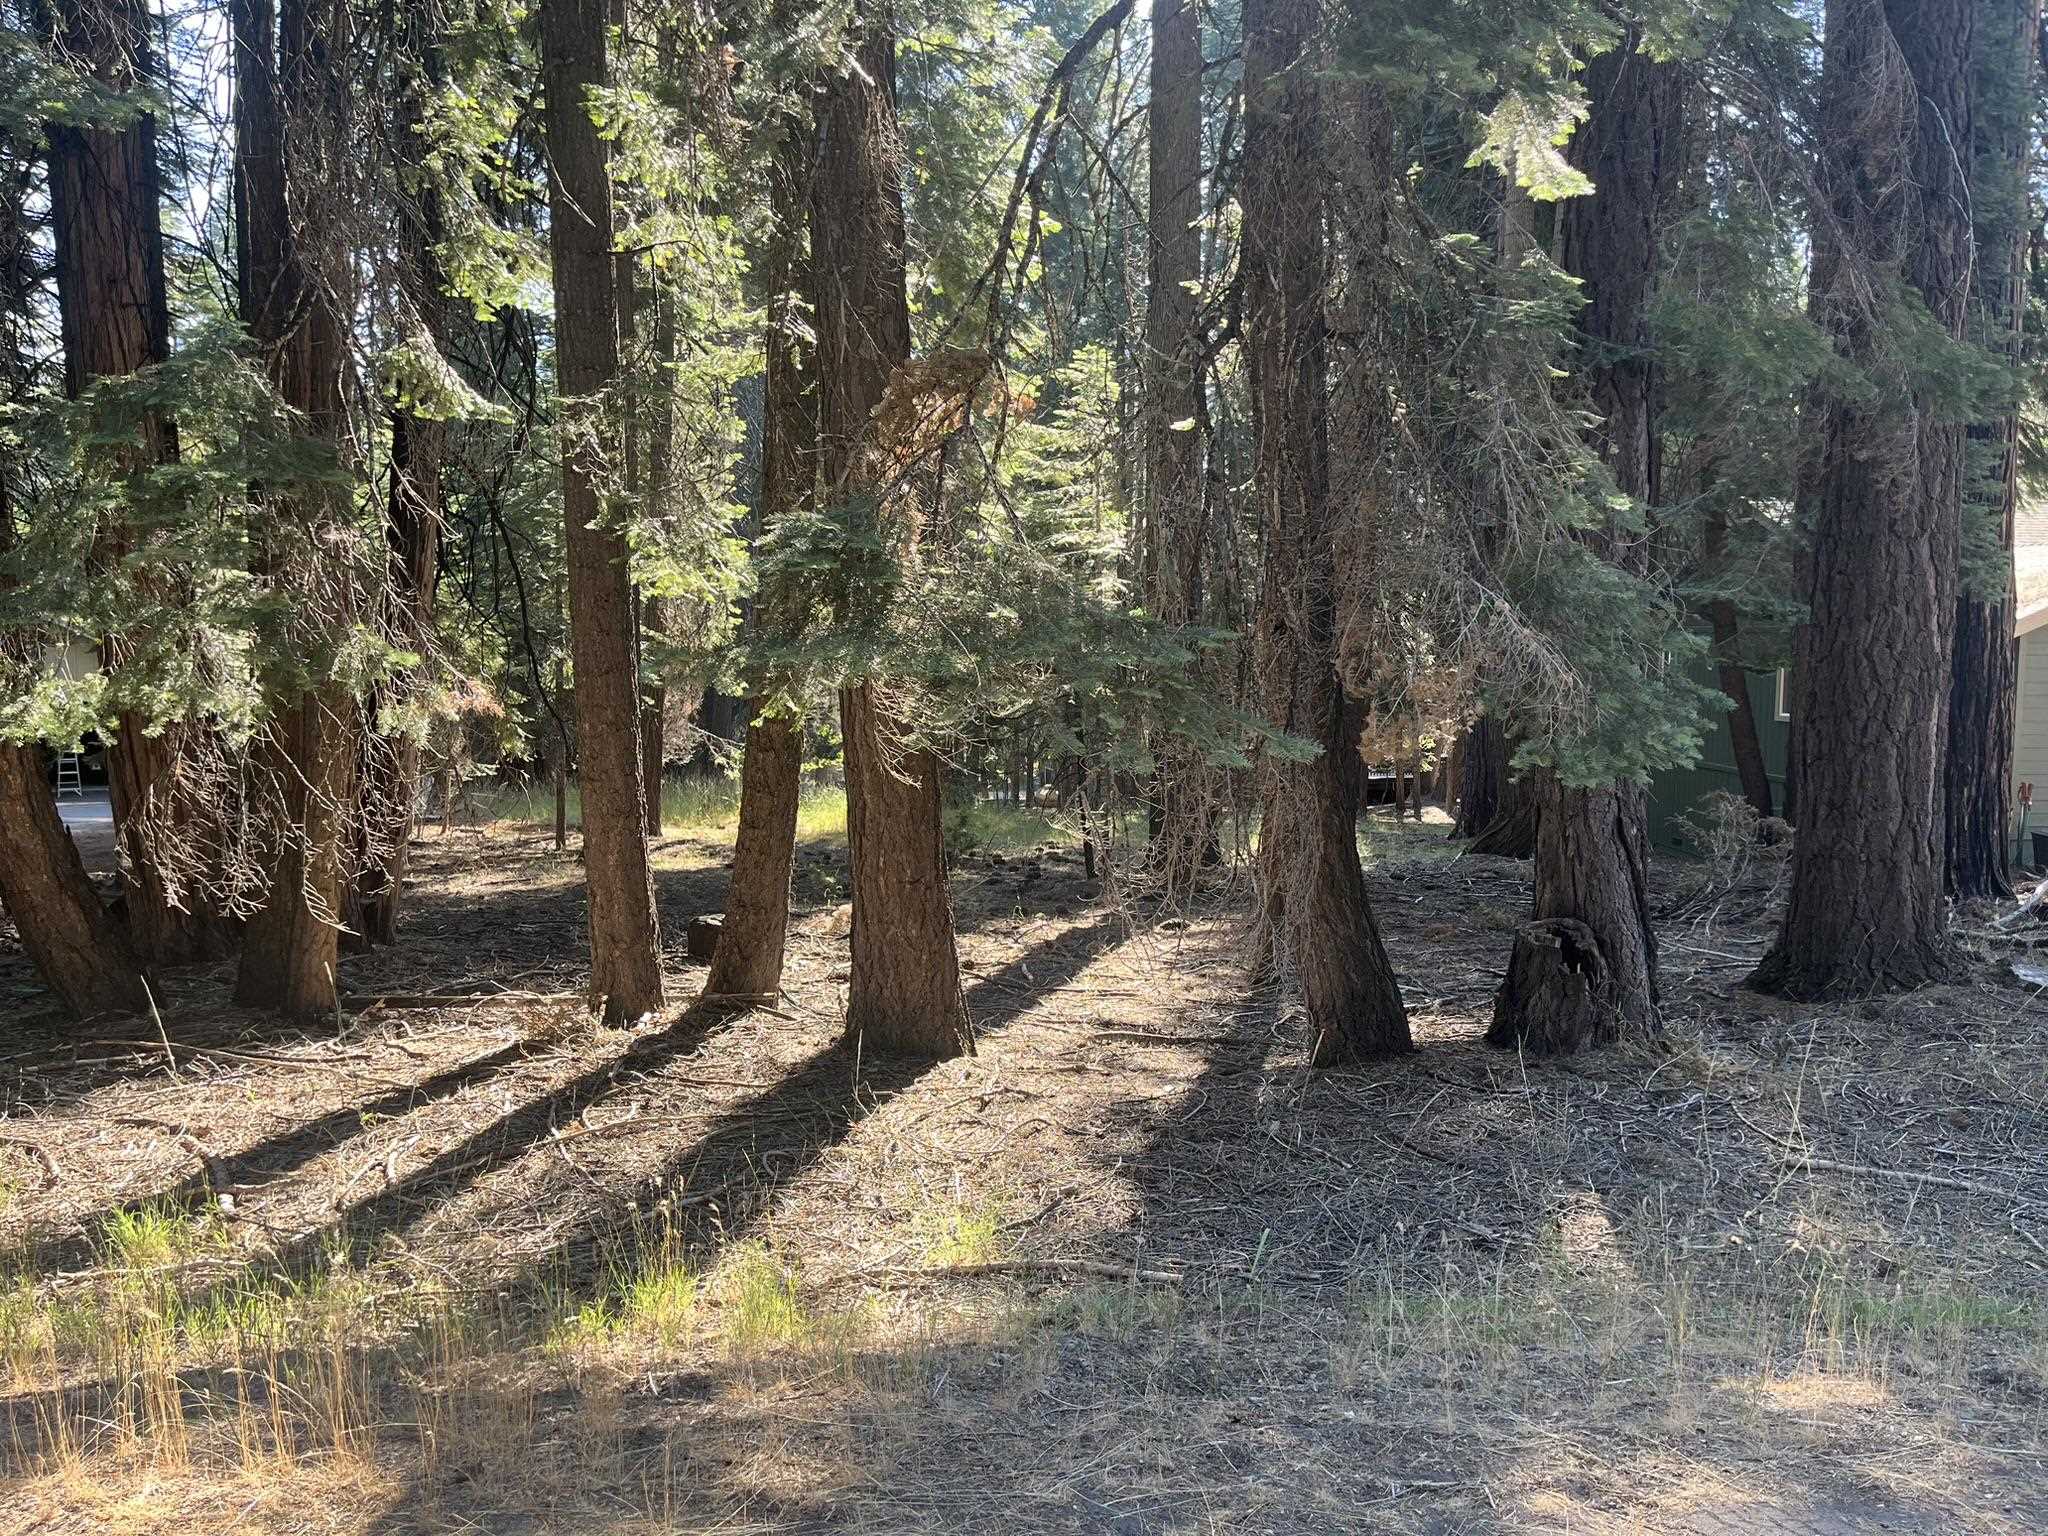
{"points": [[262, 1059], [48, 1158], [1939, 1181], [2026, 909], [400, 1000], [1098, 1268]]}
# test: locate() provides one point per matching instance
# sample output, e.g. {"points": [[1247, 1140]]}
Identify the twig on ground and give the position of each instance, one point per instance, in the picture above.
{"points": [[402, 1000], [1099, 1268], [47, 1158], [1939, 1181]]}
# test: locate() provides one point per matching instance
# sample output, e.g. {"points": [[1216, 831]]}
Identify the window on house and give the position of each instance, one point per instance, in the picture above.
{"points": [[1782, 708]]}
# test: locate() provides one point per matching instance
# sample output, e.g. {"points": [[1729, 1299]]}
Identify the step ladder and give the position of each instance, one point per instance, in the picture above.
{"points": [[68, 781]]}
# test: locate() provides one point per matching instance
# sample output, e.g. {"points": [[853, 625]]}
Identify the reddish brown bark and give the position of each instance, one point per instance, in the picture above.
{"points": [[308, 759], [76, 947], [1592, 892], [751, 946], [904, 992], [107, 237], [1316, 925], [625, 934]]}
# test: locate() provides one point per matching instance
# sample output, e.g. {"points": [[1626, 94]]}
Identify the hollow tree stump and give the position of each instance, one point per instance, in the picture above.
{"points": [[1559, 993]]}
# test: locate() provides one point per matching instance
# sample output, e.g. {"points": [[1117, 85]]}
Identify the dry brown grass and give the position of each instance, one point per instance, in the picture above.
{"points": [[487, 1267]]}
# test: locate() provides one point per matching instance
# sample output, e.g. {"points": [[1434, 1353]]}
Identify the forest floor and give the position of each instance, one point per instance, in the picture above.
{"points": [[465, 1263]]}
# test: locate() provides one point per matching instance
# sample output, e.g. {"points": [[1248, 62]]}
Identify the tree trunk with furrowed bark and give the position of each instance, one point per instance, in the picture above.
{"points": [[1984, 679], [625, 932], [1183, 788], [1592, 842], [1882, 497], [751, 945], [1315, 924], [308, 760], [904, 995], [107, 236]]}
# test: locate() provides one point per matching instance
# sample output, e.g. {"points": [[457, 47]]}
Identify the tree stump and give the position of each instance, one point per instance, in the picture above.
{"points": [[1559, 993], [701, 934]]}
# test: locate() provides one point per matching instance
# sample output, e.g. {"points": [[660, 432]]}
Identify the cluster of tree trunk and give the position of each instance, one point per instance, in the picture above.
{"points": [[1902, 745]]}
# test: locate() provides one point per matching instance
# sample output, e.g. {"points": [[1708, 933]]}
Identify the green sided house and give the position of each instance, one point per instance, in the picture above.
{"points": [[1675, 794]]}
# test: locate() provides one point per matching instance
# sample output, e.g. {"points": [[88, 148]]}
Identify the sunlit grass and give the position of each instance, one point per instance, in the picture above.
{"points": [[650, 1298], [965, 1234], [689, 805], [159, 1234], [995, 826], [760, 1300]]}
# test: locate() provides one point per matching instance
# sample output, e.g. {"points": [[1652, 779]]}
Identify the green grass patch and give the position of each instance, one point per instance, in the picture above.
{"points": [[762, 1305], [965, 1234], [992, 826], [693, 804], [160, 1234]]}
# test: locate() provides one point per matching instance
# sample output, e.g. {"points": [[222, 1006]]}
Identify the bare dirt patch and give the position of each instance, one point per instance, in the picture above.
{"points": [[475, 1265]]}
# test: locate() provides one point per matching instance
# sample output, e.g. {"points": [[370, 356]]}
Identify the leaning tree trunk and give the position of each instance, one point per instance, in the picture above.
{"points": [[748, 961], [107, 236], [307, 761], [75, 945], [625, 931], [81, 953], [1315, 924], [904, 992], [1585, 970], [1882, 497], [1984, 678], [1743, 741], [1183, 790], [78, 949]]}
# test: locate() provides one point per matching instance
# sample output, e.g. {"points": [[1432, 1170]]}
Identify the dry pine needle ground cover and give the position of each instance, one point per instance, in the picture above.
{"points": [[472, 1265]]}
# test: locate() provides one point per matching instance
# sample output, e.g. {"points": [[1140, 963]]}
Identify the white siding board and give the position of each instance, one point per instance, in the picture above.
{"points": [[2030, 726]]}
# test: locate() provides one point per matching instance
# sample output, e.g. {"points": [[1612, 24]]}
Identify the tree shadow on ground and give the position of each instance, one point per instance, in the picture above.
{"points": [[268, 1160], [716, 1186], [764, 1142]]}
